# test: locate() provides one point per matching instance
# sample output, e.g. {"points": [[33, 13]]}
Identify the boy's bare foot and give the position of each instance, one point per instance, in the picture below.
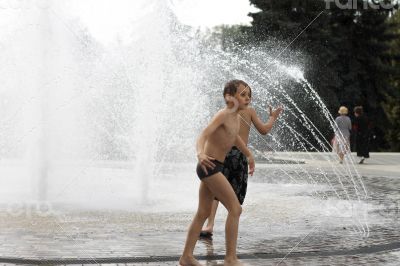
{"points": [[233, 262], [188, 261], [208, 229]]}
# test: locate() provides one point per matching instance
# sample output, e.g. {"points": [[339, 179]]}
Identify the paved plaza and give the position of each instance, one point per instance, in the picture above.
{"points": [[284, 221]]}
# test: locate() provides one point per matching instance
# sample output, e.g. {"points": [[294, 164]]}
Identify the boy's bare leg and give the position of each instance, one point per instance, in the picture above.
{"points": [[203, 211], [211, 219], [221, 189]]}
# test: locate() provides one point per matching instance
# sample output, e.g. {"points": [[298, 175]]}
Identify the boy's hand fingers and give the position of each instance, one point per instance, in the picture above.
{"points": [[252, 167], [211, 164], [204, 169], [208, 164], [277, 111], [251, 171]]}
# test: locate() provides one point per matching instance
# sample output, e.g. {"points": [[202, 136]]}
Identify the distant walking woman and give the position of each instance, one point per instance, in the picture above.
{"points": [[362, 134], [342, 133]]}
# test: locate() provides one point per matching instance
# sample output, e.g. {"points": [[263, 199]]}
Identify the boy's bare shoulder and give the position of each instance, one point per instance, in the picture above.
{"points": [[221, 115], [250, 111]]}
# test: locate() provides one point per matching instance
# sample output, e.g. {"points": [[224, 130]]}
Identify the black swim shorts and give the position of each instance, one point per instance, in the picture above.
{"points": [[236, 171], [218, 168]]}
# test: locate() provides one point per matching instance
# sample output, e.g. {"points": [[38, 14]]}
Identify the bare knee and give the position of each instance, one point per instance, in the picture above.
{"points": [[203, 214], [235, 210]]}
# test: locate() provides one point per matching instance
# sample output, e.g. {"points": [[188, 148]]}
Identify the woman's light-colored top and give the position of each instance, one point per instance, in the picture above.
{"points": [[344, 125]]}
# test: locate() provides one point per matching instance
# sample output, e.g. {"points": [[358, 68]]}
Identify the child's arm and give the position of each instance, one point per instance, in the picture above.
{"points": [[243, 148], [264, 128], [205, 160]]}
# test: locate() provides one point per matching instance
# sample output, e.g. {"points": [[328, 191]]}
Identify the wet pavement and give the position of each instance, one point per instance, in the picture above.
{"points": [[294, 214]]}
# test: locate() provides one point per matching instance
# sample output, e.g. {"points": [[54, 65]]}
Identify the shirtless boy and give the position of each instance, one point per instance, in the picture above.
{"points": [[235, 164], [213, 144]]}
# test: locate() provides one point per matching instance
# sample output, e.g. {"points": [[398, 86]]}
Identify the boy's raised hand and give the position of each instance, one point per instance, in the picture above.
{"points": [[205, 162], [275, 113]]}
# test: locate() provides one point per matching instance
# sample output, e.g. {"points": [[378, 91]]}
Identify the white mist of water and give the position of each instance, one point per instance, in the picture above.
{"points": [[76, 111]]}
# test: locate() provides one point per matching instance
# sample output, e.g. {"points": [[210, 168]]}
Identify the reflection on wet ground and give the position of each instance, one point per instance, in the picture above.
{"points": [[285, 222]]}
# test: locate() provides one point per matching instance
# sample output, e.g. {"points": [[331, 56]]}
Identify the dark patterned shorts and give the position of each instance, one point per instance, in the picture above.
{"points": [[236, 171]]}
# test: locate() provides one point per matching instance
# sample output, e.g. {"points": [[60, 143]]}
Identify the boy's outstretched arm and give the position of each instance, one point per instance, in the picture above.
{"points": [[264, 128], [204, 159], [243, 148]]}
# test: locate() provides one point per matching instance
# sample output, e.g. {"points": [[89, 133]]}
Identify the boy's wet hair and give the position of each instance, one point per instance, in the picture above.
{"points": [[358, 110], [232, 86]]}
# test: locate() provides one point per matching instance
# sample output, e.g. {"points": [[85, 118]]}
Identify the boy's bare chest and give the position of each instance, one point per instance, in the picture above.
{"points": [[232, 127]]}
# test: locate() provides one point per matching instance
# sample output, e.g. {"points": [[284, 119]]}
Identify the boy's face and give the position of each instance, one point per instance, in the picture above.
{"points": [[243, 96]]}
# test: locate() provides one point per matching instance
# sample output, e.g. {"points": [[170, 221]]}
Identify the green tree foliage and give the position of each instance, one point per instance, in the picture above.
{"points": [[392, 103], [351, 54]]}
